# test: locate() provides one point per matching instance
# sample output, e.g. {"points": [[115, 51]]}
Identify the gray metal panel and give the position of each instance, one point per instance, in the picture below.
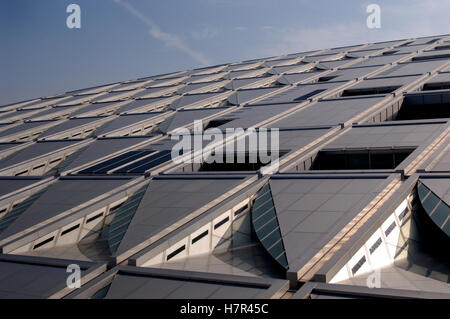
{"points": [[61, 196], [125, 120], [439, 186], [30, 281], [294, 78], [328, 112], [300, 93], [380, 60], [312, 211], [413, 68], [104, 147], [187, 117], [70, 124], [385, 82], [440, 78], [244, 96], [167, 201], [11, 184], [35, 150], [26, 126], [249, 116], [139, 103], [387, 136], [192, 98], [96, 106]]}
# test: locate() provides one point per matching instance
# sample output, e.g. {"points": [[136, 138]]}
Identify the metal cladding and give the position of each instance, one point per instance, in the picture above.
{"points": [[356, 197]]}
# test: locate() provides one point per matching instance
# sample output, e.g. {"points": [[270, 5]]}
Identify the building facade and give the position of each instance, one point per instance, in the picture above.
{"points": [[357, 205]]}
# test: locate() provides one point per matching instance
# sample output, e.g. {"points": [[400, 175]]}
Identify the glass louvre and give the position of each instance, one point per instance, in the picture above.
{"points": [[437, 209], [266, 226], [116, 164], [18, 209], [147, 163], [117, 161], [122, 218], [101, 293]]}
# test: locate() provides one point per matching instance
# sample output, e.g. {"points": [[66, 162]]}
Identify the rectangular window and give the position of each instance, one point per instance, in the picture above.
{"points": [[436, 86], [223, 221], [358, 265], [230, 164], [42, 243], [327, 78], [94, 217], [197, 238], [68, 230], [176, 252], [54, 161], [370, 91], [39, 166], [403, 214], [360, 159], [375, 246], [417, 106], [240, 210], [308, 95], [390, 229], [21, 173], [217, 123]]}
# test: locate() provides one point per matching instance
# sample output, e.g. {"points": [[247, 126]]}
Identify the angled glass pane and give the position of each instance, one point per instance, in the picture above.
{"points": [[266, 226], [122, 218]]}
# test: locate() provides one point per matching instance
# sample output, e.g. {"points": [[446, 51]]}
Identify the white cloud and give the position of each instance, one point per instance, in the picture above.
{"points": [[170, 40], [205, 33], [417, 19]]}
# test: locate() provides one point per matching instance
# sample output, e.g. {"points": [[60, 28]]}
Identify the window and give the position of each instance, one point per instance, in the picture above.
{"points": [[266, 227], [42, 243], [358, 265], [418, 106], [22, 173], [240, 210], [223, 221], [327, 78], [307, 96], [431, 57], [122, 218], [116, 162], [217, 123], [197, 238], [94, 217], [403, 214], [360, 159], [233, 165], [176, 252], [146, 163], [370, 91], [437, 209], [375, 246], [436, 86], [68, 230], [390, 52], [390, 229]]}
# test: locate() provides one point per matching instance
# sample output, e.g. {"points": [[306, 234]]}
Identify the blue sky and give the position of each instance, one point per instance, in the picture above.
{"points": [[126, 39]]}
